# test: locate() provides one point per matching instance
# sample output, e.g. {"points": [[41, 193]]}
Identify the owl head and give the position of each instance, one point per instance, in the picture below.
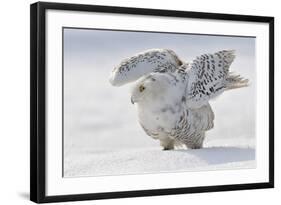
{"points": [[153, 87]]}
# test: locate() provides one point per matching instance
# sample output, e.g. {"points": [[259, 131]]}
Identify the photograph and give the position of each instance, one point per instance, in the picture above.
{"points": [[134, 102], [149, 102]]}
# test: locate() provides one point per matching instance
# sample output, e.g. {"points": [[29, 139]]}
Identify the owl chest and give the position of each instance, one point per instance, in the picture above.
{"points": [[158, 120]]}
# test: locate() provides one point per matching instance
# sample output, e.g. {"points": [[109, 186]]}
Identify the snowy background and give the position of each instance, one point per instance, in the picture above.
{"points": [[101, 132]]}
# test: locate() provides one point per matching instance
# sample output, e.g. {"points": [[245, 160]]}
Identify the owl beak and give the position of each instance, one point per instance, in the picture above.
{"points": [[132, 101]]}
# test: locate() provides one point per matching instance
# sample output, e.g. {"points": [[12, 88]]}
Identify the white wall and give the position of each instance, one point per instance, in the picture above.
{"points": [[14, 104]]}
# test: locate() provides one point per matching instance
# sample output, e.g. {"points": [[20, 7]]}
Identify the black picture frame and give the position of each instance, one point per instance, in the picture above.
{"points": [[38, 101]]}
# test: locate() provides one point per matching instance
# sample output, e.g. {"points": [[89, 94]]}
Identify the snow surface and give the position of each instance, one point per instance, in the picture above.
{"points": [[153, 160], [101, 132]]}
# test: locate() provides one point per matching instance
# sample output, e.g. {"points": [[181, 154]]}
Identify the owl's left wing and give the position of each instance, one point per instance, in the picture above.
{"points": [[136, 66], [209, 76]]}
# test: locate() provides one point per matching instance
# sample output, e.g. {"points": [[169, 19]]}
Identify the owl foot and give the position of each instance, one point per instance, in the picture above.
{"points": [[194, 146], [167, 148], [167, 144]]}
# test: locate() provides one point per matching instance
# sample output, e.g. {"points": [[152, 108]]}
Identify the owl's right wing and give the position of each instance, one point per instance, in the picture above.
{"points": [[208, 76]]}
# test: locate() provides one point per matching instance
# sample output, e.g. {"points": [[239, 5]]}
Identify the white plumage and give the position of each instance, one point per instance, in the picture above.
{"points": [[172, 96]]}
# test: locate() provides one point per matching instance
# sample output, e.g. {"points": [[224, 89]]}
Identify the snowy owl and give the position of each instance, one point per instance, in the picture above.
{"points": [[172, 96]]}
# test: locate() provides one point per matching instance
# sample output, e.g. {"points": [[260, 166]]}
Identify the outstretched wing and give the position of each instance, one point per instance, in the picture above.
{"points": [[209, 76], [154, 60]]}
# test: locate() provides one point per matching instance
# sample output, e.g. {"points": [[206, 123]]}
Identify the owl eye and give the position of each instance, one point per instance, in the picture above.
{"points": [[141, 88]]}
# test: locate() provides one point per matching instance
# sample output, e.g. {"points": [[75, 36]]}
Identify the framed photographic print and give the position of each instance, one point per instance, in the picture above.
{"points": [[129, 102]]}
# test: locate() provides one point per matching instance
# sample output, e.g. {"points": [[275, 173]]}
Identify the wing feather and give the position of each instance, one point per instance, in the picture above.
{"points": [[154, 60], [209, 76]]}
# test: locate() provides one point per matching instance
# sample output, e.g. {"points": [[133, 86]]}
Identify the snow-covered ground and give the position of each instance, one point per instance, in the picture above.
{"points": [[101, 132], [154, 160]]}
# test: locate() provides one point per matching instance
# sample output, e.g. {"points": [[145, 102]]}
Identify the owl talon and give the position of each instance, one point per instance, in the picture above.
{"points": [[167, 148]]}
